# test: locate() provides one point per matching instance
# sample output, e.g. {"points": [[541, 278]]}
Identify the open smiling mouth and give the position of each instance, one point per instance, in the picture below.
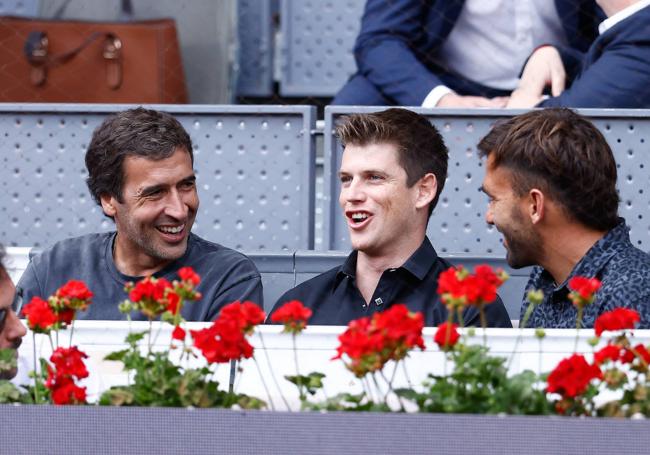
{"points": [[172, 232], [358, 219]]}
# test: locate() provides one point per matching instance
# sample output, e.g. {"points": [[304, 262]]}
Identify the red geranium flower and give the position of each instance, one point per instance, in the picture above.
{"points": [[583, 290], [65, 391], [369, 343], [617, 319], [225, 339], [188, 274], [572, 376], [457, 287], [586, 287], [75, 289], [39, 314], [446, 336], [69, 362], [609, 352], [293, 315], [178, 333]]}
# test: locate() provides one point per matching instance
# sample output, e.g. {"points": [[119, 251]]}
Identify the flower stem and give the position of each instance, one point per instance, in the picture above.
{"points": [[71, 333], [379, 392], [406, 374], [36, 374], [578, 325], [295, 359], [275, 380], [481, 312], [268, 393], [149, 337]]}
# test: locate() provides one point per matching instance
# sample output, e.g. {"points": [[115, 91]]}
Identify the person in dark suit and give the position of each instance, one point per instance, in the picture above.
{"points": [[613, 73], [457, 53]]}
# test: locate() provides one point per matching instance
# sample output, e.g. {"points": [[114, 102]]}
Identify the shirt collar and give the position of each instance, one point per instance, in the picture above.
{"points": [[599, 254], [621, 15], [417, 265]]}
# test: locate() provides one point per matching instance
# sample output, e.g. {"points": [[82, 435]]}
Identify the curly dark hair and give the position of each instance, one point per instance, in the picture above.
{"points": [[562, 153], [420, 147], [136, 132]]}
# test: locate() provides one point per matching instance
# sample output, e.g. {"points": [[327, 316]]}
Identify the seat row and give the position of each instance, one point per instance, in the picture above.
{"points": [[260, 184]]}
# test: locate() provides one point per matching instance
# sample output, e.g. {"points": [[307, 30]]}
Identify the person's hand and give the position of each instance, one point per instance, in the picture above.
{"points": [[523, 99], [452, 100], [543, 68]]}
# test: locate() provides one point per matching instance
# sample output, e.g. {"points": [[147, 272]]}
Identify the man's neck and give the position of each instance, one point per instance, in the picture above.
{"points": [[371, 267], [131, 262], [565, 247]]}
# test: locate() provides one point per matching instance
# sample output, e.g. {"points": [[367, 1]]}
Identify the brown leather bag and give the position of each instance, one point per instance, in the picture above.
{"points": [[90, 62]]}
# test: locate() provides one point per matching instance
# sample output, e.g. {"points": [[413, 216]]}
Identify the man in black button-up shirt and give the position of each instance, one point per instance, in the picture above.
{"points": [[392, 172]]}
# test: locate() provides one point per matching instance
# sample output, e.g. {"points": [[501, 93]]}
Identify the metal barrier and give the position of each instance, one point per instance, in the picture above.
{"points": [[254, 164], [317, 40], [458, 222]]}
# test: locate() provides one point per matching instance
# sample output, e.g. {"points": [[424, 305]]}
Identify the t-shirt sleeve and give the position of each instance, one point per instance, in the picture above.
{"points": [[28, 285]]}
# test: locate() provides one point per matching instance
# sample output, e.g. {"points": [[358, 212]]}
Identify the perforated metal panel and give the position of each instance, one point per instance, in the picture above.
{"points": [[458, 224], [19, 7], [317, 41], [254, 170], [255, 33]]}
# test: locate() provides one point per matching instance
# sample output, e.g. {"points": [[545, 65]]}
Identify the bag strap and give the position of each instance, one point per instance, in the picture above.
{"points": [[36, 52]]}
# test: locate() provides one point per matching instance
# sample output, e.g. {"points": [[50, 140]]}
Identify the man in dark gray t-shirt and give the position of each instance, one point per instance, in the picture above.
{"points": [[140, 170]]}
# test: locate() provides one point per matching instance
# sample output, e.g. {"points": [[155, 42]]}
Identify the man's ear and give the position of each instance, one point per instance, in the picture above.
{"points": [[108, 204], [427, 189], [536, 205]]}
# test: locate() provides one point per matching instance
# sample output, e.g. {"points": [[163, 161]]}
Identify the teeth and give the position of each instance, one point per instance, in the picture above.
{"points": [[359, 216], [172, 230]]}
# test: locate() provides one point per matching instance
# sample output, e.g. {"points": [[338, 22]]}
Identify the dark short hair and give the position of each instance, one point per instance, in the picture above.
{"points": [[563, 154], [420, 147], [138, 132]]}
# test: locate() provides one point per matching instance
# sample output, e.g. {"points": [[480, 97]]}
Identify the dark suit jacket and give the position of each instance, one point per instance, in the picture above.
{"points": [[615, 71], [398, 37]]}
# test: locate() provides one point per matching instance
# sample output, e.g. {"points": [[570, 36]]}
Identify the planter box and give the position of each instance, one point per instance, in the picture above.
{"points": [[85, 430]]}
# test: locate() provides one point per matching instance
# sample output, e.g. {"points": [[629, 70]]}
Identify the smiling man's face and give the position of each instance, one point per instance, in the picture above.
{"points": [[507, 213], [158, 208], [380, 209]]}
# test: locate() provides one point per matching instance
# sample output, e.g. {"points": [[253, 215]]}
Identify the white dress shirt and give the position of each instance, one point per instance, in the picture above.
{"points": [[492, 39]]}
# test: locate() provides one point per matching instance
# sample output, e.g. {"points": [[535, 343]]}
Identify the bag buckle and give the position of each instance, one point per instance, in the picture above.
{"points": [[113, 56], [35, 50]]}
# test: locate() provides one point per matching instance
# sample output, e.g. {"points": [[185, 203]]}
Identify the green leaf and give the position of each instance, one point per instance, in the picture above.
{"points": [[9, 393], [133, 337], [117, 355], [117, 396]]}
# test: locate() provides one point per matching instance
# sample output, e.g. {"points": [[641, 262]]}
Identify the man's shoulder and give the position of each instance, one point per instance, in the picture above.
{"points": [[83, 246], [627, 266], [206, 252]]}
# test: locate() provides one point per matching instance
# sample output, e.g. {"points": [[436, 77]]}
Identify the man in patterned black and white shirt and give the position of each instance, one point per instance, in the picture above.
{"points": [[551, 182]]}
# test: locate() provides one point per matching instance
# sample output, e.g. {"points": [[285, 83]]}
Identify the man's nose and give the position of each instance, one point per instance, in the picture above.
{"points": [[176, 206], [14, 329], [489, 217], [354, 191]]}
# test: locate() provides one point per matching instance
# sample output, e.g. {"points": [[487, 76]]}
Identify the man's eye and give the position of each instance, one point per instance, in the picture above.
{"points": [[188, 185], [376, 177], [345, 179]]}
